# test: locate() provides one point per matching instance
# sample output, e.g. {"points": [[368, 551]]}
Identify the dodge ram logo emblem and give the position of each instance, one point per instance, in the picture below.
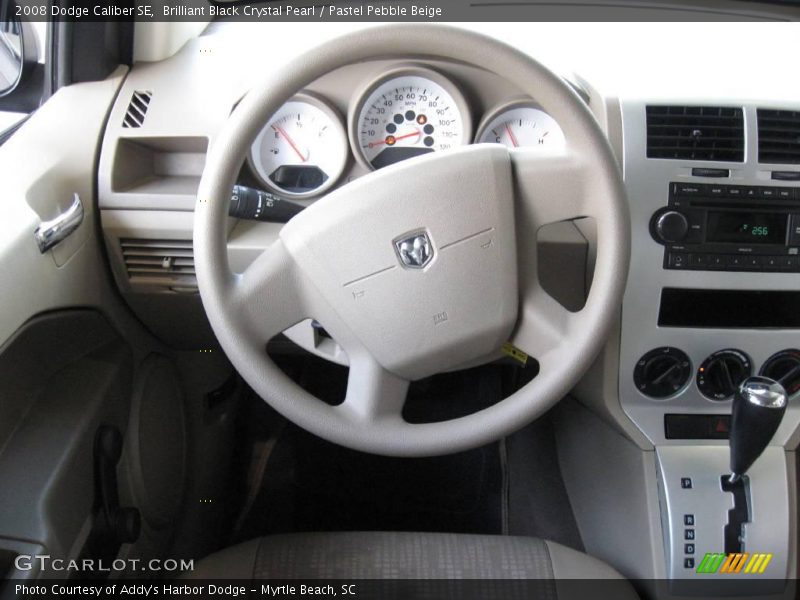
{"points": [[414, 250]]}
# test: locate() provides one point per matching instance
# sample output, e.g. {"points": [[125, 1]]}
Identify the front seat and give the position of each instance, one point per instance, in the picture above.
{"points": [[406, 555]]}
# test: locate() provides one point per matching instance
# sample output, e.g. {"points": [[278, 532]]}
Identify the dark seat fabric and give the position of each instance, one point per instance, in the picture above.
{"points": [[405, 555]]}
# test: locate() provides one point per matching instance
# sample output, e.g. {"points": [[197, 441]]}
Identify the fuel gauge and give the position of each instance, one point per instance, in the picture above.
{"points": [[520, 124], [302, 150]]}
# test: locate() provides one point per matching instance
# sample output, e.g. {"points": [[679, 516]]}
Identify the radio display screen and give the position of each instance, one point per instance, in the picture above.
{"points": [[746, 228]]}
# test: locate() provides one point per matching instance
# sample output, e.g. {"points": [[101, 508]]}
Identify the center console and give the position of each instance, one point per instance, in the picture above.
{"points": [[712, 298]]}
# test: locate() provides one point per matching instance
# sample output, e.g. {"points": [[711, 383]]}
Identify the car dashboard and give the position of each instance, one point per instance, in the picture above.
{"points": [[712, 175], [343, 126]]}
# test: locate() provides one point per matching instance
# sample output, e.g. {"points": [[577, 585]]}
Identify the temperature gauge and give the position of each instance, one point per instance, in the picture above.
{"points": [[303, 149], [520, 125]]}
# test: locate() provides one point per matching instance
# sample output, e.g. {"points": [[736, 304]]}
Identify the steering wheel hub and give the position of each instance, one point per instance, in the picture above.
{"points": [[417, 311]]}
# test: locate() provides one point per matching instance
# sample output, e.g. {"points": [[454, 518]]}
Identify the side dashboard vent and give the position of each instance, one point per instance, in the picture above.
{"points": [[695, 133], [779, 136], [137, 109], [160, 263]]}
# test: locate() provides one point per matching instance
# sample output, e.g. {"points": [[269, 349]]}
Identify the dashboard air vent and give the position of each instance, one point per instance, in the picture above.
{"points": [[778, 136], [159, 263], [137, 109], [695, 133]]}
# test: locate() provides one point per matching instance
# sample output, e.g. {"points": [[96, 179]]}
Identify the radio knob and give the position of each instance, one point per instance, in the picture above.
{"points": [[671, 226]]}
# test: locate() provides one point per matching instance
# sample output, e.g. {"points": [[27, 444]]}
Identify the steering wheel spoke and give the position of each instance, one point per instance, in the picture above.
{"points": [[550, 188], [373, 393], [543, 325], [268, 294]]}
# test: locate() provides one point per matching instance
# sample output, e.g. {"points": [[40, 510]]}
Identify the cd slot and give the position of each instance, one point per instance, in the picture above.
{"points": [[729, 204]]}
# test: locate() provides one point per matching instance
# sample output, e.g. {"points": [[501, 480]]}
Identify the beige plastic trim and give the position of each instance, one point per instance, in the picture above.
{"points": [[38, 182], [155, 41]]}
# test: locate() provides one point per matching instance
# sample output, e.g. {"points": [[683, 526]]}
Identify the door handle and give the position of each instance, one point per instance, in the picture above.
{"points": [[49, 233]]}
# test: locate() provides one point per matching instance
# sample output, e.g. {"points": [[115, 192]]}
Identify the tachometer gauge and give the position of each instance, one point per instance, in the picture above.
{"points": [[520, 124], [302, 151], [409, 111]]}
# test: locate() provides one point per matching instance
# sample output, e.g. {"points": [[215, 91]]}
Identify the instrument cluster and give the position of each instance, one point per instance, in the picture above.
{"points": [[408, 111]]}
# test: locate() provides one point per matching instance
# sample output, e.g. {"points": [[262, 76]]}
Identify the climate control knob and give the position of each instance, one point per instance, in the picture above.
{"points": [[720, 375], [662, 372], [784, 367], [670, 227]]}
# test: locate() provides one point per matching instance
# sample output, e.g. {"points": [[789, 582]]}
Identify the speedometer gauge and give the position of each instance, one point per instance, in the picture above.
{"points": [[520, 124], [408, 112], [302, 150]]}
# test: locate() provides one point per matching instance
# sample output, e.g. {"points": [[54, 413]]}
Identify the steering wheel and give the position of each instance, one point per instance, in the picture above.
{"points": [[420, 267]]}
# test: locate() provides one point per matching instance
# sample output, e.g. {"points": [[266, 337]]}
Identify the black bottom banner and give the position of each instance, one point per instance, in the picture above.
{"points": [[401, 589]]}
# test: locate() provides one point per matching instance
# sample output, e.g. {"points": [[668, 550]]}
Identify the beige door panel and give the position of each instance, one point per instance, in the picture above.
{"points": [[50, 159]]}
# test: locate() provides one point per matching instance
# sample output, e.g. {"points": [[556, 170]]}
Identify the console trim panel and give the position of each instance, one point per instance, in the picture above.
{"points": [[648, 185], [770, 504]]}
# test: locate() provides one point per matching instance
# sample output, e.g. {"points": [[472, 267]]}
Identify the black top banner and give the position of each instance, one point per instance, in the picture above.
{"points": [[408, 10]]}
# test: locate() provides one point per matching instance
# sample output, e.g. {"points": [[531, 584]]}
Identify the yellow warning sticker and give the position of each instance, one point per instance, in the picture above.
{"points": [[512, 351]]}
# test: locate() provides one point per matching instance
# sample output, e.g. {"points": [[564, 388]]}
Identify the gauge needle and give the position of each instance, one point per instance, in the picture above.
{"points": [[396, 139], [290, 141], [511, 136]]}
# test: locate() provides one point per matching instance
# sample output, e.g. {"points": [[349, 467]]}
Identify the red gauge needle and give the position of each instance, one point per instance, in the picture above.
{"points": [[285, 136], [511, 136], [396, 139]]}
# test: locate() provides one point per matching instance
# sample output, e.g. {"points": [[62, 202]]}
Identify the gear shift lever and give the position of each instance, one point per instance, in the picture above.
{"points": [[758, 407]]}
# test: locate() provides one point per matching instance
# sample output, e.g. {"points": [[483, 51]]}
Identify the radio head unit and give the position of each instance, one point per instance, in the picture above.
{"points": [[729, 228]]}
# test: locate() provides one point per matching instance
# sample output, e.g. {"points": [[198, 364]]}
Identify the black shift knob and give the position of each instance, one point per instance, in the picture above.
{"points": [[758, 407]]}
